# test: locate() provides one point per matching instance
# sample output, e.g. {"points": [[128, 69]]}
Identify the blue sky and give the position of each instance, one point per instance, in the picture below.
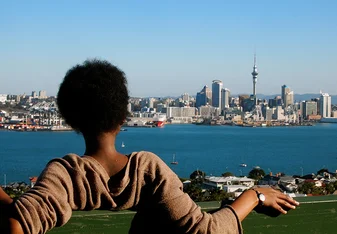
{"points": [[172, 47]]}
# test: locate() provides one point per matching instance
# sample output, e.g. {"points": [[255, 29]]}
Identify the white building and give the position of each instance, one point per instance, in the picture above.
{"points": [[3, 98], [129, 107], [209, 111], [151, 102], [221, 182], [325, 105], [185, 111]]}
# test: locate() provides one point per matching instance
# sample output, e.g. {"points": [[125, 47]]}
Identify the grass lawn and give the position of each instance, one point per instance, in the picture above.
{"points": [[314, 215]]}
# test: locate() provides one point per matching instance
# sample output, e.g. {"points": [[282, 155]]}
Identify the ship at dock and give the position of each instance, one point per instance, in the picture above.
{"points": [[159, 120]]}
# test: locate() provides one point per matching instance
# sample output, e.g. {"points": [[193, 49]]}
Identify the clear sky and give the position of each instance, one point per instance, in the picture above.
{"points": [[172, 47]]}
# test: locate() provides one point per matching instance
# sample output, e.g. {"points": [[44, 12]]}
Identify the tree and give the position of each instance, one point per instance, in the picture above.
{"points": [[307, 187], [256, 174], [194, 191], [218, 195], [198, 176], [321, 171], [330, 188], [227, 174]]}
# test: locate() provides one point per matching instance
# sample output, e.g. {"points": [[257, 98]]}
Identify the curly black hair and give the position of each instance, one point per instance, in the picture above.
{"points": [[93, 97]]}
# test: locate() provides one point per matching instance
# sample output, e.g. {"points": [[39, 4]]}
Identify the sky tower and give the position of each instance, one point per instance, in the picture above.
{"points": [[254, 74]]}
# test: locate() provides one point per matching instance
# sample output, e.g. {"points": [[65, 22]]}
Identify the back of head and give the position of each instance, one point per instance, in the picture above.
{"points": [[93, 97]]}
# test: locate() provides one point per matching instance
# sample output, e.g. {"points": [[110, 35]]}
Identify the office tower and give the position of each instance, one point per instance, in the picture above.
{"points": [[216, 93], [309, 108], [225, 94], [185, 97], [204, 97], [151, 102], [34, 94], [318, 105], [287, 96], [254, 74], [42, 94], [325, 105]]}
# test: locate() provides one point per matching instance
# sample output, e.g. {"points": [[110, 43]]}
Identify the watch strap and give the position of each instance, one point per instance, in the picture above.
{"points": [[258, 194]]}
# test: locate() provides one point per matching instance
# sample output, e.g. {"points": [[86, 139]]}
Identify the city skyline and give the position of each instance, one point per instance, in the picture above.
{"points": [[178, 46]]}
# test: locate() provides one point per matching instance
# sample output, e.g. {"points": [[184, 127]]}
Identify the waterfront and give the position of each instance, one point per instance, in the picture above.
{"points": [[213, 149]]}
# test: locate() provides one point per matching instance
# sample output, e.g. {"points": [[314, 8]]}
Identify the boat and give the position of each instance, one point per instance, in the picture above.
{"points": [[243, 165], [159, 120], [174, 162], [199, 121], [123, 145]]}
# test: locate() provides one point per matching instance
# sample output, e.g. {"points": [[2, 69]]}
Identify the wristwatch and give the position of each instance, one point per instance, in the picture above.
{"points": [[260, 196]]}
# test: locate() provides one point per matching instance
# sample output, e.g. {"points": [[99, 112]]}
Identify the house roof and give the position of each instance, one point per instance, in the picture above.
{"points": [[33, 179]]}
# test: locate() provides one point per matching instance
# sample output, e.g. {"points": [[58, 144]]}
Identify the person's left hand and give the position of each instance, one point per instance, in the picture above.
{"points": [[276, 202]]}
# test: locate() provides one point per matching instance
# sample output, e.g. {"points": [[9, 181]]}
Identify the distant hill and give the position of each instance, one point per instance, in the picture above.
{"points": [[300, 97]]}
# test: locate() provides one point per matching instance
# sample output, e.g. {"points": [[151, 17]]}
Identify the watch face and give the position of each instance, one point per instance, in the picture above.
{"points": [[262, 197]]}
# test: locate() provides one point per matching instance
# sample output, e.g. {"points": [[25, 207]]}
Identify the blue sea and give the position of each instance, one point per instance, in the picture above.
{"points": [[213, 149]]}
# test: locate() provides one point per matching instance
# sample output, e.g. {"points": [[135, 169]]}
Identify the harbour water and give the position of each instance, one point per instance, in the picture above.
{"points": [[213, 149]]}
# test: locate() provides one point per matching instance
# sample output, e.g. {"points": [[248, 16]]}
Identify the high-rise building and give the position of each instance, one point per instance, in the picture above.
{"points": [[42, 94], [225, 94], [34, 94], [276, 101], [309, 108], [151, 102], [3, 98], [287, 96], [204, 97], [254, 74], [325, 105], [185, 97], [216, 93]]}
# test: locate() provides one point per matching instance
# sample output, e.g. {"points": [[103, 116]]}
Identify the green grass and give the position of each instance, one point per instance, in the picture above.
{"points": [[315, 215]]}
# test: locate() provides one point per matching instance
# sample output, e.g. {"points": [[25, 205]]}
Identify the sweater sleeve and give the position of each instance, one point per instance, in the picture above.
{"points": [[63, 186], [180, 210]]}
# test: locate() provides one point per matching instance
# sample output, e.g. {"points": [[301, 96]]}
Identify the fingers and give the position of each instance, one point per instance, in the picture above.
{"points": [[285, 203], [289, 200], [280, 209]]}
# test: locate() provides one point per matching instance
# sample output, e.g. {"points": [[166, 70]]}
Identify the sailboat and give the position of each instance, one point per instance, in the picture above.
{"points": [[123, 145], [174, 162]]}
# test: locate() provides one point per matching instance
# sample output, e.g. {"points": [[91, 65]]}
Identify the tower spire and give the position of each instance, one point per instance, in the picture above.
{"points": [[254, 59], [254, 74]]}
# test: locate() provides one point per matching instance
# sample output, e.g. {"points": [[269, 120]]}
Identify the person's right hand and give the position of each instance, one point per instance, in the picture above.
{"points": [[276, 202]]}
